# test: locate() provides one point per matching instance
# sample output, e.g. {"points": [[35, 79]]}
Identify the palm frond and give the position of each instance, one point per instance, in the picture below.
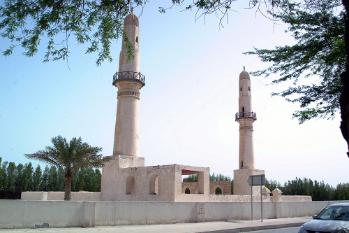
{"points": [[72, 155], [44, 156]]}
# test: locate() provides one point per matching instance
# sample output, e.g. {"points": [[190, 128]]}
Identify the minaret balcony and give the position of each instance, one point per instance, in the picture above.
{"points": [[128, 76], [245, 115]]}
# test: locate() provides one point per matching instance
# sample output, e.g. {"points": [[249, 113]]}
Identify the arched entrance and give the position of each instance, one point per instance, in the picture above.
{"points": [[130, 185], [187, 191], [218, 191], [154, 185]]}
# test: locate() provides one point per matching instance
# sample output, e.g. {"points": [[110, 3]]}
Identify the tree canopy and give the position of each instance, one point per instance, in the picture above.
{"points": [[95, 23], [312, 65], [17, 178], [70, 157], [320, 29], [50, 178]]}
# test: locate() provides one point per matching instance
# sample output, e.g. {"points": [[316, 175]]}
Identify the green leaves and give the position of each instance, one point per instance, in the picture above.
{"points": [[71, 155], [313, 64], [26, 23]]}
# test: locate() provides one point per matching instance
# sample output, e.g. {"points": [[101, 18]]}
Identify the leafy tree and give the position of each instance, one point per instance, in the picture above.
{"points": [[53, 179], [96, 181], [341, 192], [81, 180], [219, 177], [321, 29], [15, 179], [44, 181], [27, 177], [94, 22], [318, 52], [318, 190], [18, 177], [272, 184], [2, 176], [71, 157], [60, 174], [344, 98], [89, 180], [37, 177], [11, 177], [191, 178], [321, 32]]}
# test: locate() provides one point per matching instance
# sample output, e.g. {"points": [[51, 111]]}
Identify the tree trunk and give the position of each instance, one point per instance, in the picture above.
{"points": [[344, 97], [67, 187]]}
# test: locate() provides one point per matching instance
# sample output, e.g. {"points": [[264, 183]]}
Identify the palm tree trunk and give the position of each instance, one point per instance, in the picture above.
{"points": [[67, 187], [344, 97]]}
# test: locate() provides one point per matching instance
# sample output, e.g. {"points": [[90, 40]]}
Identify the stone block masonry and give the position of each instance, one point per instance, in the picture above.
{"points": [[30, 214]]}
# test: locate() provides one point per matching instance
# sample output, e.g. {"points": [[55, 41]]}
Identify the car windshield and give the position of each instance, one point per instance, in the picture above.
{"points": [[334, 213]]}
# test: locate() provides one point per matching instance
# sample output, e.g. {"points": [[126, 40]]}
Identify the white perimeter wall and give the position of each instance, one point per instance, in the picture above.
{"points": [[27, 214]]}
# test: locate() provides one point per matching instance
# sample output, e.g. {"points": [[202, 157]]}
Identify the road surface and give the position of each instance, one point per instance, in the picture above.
{"points": [[281, 230]]}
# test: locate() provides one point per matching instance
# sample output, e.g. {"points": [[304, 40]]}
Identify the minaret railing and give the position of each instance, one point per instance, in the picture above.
{"points": [[128, 76], [241, 115]]}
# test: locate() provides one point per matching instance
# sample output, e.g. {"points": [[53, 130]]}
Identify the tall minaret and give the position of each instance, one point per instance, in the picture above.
{"points": [[245, 116], [129, 81]]}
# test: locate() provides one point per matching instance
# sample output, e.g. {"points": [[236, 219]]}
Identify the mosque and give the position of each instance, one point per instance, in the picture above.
{"points": [[126, 178]]}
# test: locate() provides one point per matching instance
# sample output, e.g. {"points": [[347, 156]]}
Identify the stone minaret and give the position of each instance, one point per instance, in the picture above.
{"points": [[245, 117], [129, 81]]}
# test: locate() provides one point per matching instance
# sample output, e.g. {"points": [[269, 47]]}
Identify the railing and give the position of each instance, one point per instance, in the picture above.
{"points": [[240, 115], [128, 76]]}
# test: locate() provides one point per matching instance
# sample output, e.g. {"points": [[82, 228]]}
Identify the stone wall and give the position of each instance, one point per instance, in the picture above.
{"points": [[29, 214], [57, 196], [193, 197], [219, 198], [291, 198], [224, 186], [191, 186], [151, 183]]}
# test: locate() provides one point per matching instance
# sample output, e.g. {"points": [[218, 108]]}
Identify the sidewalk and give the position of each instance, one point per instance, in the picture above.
{"points": [[213, 227]]}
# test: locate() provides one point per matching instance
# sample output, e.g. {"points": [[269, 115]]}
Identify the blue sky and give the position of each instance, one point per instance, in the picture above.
{"points": [[187, 106]]}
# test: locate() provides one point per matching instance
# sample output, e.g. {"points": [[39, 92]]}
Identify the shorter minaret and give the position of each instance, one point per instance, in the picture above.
{"points": [[245, 117]]}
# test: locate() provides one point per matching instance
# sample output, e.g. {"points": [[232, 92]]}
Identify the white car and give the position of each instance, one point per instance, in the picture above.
{"points": [[333, 219]]}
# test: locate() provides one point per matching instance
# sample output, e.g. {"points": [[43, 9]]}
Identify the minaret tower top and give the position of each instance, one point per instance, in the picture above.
{"points": [[129, 60], [245, 106]]}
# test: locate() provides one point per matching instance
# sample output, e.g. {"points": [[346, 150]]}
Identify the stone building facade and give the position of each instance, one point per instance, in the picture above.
{"points": [[126, 178], [216, 188]]}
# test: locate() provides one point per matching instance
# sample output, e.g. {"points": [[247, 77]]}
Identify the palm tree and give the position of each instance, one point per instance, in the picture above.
{"points": [[71, 157]]}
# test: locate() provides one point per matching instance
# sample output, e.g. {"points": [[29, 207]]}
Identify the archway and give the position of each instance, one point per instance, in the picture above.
{"points": [[187, 191], [154, 185], [218, 191], [130, 185]]}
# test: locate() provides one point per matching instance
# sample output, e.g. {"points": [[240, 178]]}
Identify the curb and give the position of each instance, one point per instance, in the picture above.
{"points": [[257, 228]]}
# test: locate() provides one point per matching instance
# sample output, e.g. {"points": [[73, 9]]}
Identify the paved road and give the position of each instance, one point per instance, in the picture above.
{"points": [[203, 227], [134, 230], [281, 230]]}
